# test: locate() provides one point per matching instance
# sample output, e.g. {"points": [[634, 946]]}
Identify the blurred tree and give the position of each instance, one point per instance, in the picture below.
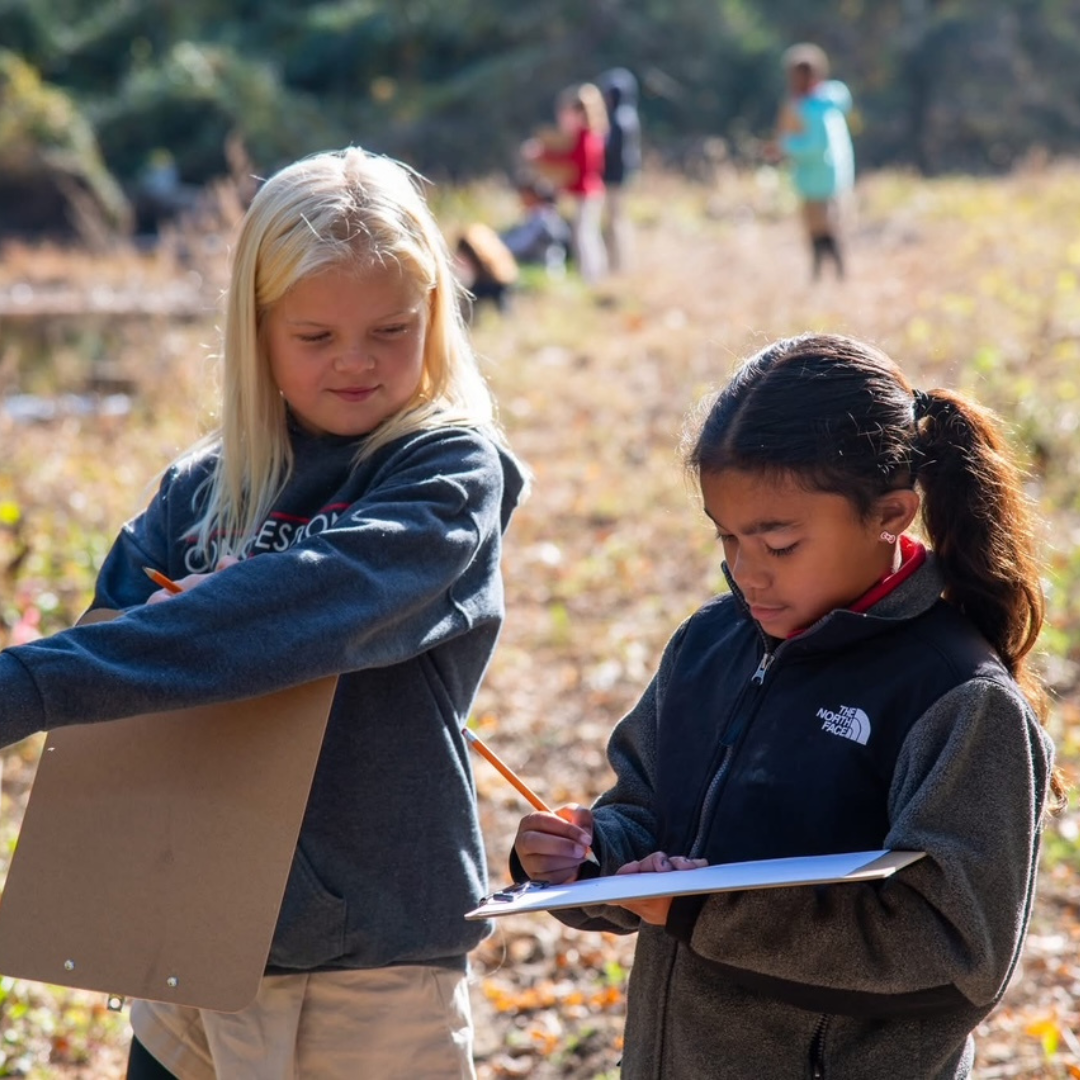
{"points": [[25, 29], [194, 99], [453, 86], [52, 177]]}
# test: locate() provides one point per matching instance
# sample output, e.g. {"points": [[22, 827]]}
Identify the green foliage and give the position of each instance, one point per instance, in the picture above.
{"points": [[454, 86], [25, 29], [193, 99], [47, 144], [35, 117]]}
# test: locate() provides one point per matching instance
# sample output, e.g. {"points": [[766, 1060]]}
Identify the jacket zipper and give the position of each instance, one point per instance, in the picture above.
{"points": [[710, 791], [704, 815], [757, 679], [766, 662], [817, 1049]]}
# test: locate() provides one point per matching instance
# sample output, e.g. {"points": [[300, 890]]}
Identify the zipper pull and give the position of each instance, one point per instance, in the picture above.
{"points": [[759, 675]]}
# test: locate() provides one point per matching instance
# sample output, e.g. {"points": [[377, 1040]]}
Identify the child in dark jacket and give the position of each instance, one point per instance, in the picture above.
{"points": [[855, 690], [622, 161], [357, 491], [543, 234]]}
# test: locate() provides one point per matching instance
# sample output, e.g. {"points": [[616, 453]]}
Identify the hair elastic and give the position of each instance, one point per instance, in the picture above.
{"points": [[922, 404]]}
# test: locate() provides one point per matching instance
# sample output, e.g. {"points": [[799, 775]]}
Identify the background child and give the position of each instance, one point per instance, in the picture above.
{"points": [[582, 117], [622, 161], [358, 478], [813, 134], [854, 691], [485, 266], [543, 234]]}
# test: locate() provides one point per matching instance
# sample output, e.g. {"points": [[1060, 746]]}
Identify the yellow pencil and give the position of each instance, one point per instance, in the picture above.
{"points": [[531, 797], [158, 578]]}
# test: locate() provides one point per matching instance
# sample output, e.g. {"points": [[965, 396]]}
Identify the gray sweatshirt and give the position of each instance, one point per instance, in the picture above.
{"points": [[386, 574]]}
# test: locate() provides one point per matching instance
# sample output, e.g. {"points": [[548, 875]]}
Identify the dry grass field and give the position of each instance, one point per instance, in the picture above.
{"points": [[968, 283]]}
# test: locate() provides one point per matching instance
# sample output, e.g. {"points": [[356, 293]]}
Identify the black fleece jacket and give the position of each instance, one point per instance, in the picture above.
{"points": [[897, 728]]}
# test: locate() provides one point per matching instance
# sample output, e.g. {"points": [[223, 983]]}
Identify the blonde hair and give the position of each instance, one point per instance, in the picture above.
{"points": [[344, 207], [587, 99]]}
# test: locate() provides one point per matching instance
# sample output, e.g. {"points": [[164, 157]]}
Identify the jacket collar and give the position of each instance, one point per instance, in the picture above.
{"points": [[914, 596]]}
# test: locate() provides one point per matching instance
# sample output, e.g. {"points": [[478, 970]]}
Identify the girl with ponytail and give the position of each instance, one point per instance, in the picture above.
{"points": [[856, 689]]}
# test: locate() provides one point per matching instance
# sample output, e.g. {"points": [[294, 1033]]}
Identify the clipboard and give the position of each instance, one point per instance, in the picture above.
{"points": [[724, 877], [154, 851]]}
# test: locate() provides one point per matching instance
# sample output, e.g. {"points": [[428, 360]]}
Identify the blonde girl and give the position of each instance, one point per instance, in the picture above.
{"points": [[355, 493]]}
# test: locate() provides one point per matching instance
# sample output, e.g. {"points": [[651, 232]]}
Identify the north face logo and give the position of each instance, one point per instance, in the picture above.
{"points": [[847, 722]]}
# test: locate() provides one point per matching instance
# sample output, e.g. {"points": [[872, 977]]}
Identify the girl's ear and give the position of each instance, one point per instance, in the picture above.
{"points": [[896, 511]]}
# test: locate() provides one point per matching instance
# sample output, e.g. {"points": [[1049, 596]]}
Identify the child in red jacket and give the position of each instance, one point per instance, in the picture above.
{"points": [[582, 117]]}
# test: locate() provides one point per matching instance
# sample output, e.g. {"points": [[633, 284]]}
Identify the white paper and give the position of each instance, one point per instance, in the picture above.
{"points": [[726, 877]]}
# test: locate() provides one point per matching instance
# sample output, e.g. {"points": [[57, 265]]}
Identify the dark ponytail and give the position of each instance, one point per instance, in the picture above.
{"points": [[839, 416], [979, 523]]}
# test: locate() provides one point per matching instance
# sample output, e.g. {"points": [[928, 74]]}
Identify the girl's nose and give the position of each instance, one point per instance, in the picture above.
{"points": [[354, 356], [749, 574]]}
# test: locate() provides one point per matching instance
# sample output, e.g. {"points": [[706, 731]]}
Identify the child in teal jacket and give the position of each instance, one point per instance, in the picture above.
{"points": [[814, 137]]}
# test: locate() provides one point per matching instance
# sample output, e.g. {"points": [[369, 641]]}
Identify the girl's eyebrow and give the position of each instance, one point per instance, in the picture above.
{"points": [[758, 527], [404, 313]]}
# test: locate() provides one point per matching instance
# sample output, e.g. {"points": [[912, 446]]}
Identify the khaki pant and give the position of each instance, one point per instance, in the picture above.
{"points": [[618, 230], [396, 1023], [587, 237]]}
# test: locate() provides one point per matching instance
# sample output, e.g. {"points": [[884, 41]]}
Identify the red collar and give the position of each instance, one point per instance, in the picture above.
{"points": [[912, 556]]}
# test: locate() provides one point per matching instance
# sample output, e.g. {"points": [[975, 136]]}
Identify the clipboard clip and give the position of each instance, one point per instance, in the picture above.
{"points": [[511, 892]]}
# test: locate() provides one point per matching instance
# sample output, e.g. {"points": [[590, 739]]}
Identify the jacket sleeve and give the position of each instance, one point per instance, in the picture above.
{"points": [[969, 790], [149, 539], [411, 564]]}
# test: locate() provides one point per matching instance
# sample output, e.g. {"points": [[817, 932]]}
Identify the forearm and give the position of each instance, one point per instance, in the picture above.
{"points": [[370, 594], [23, 711]]}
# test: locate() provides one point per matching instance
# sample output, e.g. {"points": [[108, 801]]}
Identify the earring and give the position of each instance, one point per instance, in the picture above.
{"points": [[888, 537]]}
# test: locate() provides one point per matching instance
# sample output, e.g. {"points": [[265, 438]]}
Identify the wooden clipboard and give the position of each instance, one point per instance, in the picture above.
{"points": [[154, 851], [724, 877]]}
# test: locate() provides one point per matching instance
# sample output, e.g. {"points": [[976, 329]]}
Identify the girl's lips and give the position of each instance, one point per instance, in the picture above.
{"points": [[764, 612], [355, 393]]}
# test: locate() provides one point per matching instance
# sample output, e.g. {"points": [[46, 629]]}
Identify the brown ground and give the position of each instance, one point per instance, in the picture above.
{"points": [[965, 282]]}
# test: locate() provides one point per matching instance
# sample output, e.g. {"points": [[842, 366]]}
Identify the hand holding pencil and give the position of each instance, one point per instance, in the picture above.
{"points": [[573, 828], [552, 846], [168, 587], [162, 582]]}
